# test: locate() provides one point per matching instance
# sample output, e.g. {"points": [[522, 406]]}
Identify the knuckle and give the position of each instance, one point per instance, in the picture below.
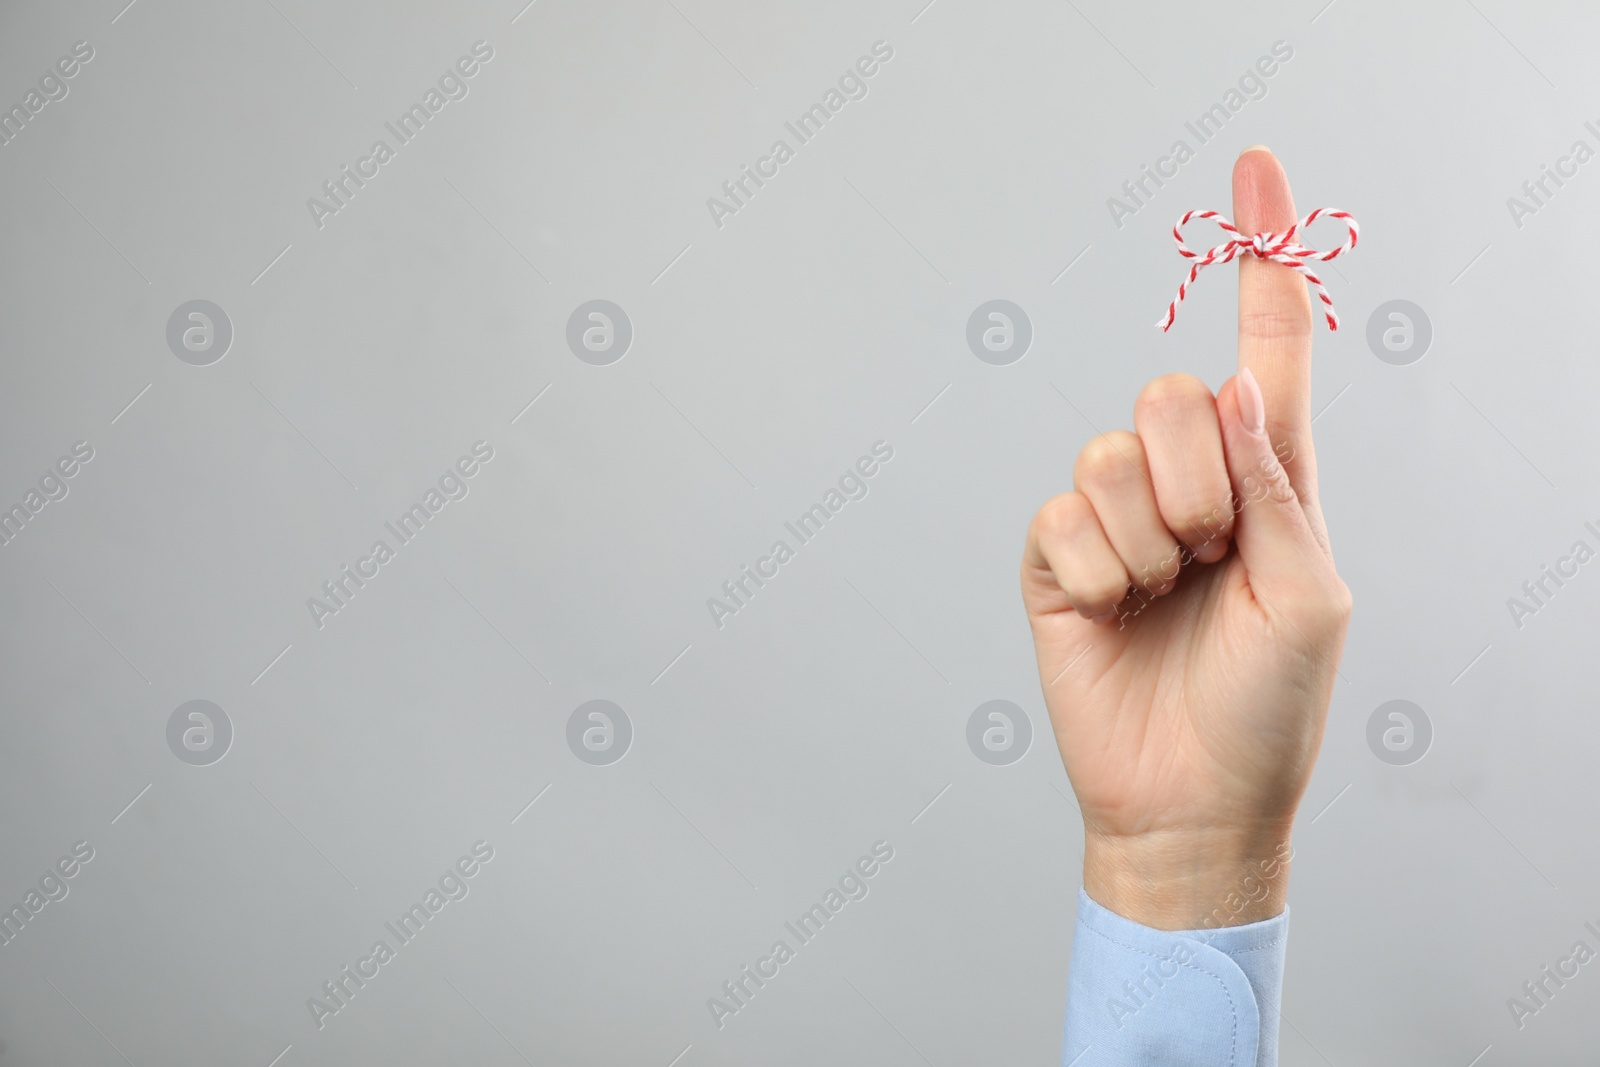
{"points": [[1199, 506], [1110, 459], [1172, 392], [1279, 488], [1159, 573], [1268, 481], [1203, 522], [1059, 516], [1285, 316], [1159, 570], [1099, 596]]}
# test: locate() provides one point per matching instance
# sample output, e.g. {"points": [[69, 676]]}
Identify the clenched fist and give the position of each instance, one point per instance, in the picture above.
{"points": [[1188, 618]]}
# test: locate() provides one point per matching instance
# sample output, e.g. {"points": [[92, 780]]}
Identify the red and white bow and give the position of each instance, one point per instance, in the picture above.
{"points": [[1278, 247]]}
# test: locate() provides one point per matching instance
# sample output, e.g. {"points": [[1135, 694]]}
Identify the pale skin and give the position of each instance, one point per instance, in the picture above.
{"points": [[1189, 703]]}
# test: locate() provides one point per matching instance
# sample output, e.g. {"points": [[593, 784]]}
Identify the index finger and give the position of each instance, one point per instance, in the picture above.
{"points": [[1275, 315]]}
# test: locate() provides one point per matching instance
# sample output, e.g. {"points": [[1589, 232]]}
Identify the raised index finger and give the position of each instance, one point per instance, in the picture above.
{"points": [[1275, 315]]}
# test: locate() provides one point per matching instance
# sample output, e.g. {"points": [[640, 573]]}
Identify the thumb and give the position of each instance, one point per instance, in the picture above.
{"points": [[1282, 557]]}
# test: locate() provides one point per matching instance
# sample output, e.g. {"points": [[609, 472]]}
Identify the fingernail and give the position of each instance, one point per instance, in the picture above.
{"points": [[1252, 409], [1257, 148]]}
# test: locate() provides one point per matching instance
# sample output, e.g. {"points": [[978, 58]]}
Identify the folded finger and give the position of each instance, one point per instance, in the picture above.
{"points": [[1176, 418], [1067, 539], [1114, 474]]}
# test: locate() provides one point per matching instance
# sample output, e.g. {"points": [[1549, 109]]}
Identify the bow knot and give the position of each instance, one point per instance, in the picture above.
{"points": [[1282, 248]]}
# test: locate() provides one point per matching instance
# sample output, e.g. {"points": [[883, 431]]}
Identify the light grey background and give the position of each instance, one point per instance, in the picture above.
{"points": [[767, 356]]}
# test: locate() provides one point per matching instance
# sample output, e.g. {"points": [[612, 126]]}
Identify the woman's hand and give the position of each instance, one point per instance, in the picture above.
{"points": [[1188, 618]]}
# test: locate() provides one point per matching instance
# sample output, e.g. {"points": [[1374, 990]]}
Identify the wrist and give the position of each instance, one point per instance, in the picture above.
{"points": [[1190, 879]]}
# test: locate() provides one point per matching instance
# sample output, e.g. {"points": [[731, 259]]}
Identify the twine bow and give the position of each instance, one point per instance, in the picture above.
{"points": [[1278, 247]]}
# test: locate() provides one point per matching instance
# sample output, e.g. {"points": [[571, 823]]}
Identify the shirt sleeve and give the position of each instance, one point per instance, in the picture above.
{"points": [[1165, 998]]}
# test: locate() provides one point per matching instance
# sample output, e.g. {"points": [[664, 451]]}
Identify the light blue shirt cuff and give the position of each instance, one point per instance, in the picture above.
{"points": [[1172, 998]]}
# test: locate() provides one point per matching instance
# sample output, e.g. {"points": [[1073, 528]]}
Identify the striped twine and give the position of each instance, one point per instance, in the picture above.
{"points": [[1278, 247]]}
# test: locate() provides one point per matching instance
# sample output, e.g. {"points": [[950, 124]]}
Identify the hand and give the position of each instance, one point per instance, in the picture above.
{"points": [[1188, 618]]}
